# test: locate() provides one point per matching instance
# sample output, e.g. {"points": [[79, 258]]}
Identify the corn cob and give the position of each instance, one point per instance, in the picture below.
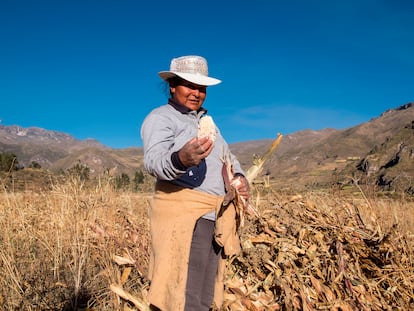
{"points": [[207, 128]]}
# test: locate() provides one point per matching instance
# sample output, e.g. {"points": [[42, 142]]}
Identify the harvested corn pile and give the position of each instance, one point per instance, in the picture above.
{"points": [[318, 254]]}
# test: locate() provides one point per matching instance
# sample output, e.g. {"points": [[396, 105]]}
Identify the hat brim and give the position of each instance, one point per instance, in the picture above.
{"points": [[193, 78]]}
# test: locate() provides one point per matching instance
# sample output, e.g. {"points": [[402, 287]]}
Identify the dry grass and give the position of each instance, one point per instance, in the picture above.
{"points": [[57, 246], [74, 248]]}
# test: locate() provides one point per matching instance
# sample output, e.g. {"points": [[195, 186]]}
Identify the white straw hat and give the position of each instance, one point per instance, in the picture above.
{"points": [[191, 68]]}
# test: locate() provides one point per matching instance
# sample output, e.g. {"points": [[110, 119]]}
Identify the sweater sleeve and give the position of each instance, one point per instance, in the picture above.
{"points": [[157, 134]]}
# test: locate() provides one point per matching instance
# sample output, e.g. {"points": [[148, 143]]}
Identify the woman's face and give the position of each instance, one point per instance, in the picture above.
{"points": [[189, 94]]}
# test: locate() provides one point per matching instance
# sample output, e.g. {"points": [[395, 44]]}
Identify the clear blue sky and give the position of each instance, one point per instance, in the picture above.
{"points": [[89, 68]]}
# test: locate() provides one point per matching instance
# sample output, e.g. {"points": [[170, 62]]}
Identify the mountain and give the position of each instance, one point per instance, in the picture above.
{"points": [[59, 151], [312, 158], [390, 165], [378, 151]]}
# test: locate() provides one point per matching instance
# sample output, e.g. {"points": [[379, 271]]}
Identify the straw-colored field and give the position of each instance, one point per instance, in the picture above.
{"points": [[87, 249]]}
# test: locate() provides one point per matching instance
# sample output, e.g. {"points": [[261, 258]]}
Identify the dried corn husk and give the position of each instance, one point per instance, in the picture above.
{"points": [[142, 306]]}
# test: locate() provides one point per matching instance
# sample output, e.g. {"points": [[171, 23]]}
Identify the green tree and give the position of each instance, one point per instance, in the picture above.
{"points": [[8, 162], [34, 164], [80, 170], [138, 180], [122, 181]]}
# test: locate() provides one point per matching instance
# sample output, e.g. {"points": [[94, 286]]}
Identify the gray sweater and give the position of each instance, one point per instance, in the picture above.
{"points": [[164, 131]]}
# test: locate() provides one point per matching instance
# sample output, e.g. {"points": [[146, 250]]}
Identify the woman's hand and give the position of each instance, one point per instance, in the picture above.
{"points": [[195, 150], [242, 186]]}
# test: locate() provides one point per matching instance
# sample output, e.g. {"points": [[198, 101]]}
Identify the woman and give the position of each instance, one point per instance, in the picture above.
{"points": [[187, 233]]}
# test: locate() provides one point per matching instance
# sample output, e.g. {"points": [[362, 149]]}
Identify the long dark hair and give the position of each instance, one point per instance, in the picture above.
{"points": [[171, 82]]}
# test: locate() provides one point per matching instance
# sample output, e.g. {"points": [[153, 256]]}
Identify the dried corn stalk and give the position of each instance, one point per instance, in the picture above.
{"points": [[258, 162], [142, 306], [207, 128], [243, 206]]}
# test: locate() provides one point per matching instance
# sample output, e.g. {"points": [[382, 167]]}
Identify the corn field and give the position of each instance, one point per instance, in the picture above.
{"points": [[83, 248]]}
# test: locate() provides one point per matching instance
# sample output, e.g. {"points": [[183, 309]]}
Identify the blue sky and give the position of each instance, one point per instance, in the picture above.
{"points": [[89, 68]]}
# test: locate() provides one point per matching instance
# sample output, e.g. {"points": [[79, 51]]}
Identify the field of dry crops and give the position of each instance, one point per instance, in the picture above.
{"points": [[74, 248]]}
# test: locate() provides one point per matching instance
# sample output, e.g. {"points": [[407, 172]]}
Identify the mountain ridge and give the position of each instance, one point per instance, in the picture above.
{"points": [[306, 157]]}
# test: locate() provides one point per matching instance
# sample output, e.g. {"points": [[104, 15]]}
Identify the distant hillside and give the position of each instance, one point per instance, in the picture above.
{"points": [[311, 158], [389, 165], [378, 151], [59, 151]]}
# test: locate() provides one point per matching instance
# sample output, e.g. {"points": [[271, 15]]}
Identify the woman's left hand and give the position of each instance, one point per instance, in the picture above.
{"points": [[242, 186]]}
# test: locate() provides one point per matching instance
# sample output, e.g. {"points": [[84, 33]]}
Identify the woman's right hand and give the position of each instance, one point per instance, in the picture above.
{"points": [[195, 150]]}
